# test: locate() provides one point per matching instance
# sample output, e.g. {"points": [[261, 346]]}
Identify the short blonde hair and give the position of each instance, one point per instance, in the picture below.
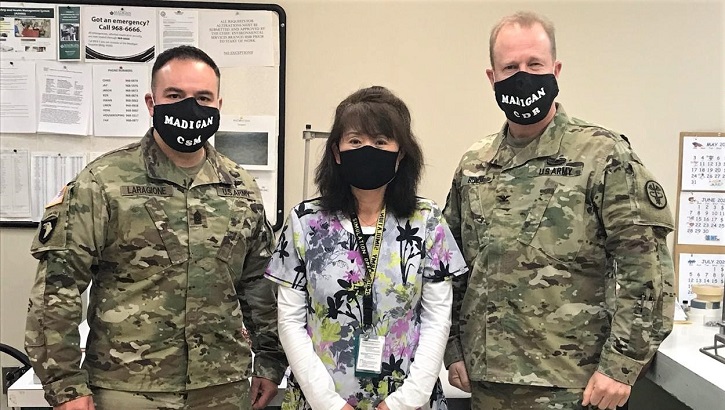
{"points": [[523, 19]]}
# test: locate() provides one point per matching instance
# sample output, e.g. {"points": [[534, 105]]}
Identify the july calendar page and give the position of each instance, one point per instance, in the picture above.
{"points": [[701, 218], [703, 163], [708, 269]]}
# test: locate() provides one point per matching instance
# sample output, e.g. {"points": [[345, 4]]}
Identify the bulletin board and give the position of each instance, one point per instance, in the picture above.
{"points": [[73, 76], [700, 217]]}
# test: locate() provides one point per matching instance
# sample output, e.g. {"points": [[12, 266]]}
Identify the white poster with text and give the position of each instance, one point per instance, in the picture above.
{"points": [[237, 38], [17, 97], [118, 97], [64, 97], [178, 28], [113, 33]]}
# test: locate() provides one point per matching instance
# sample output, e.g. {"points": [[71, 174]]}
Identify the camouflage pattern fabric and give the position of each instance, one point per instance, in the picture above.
{"points": [[548, 233], [496, 396], [177, 268], [230, 396]]}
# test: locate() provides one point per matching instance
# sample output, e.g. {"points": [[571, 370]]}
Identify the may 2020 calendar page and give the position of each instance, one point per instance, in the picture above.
{"points": [[703, 164]]}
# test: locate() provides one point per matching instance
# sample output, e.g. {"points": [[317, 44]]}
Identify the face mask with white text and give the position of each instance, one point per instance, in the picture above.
{"points": [[185, 125], [526, 98]]}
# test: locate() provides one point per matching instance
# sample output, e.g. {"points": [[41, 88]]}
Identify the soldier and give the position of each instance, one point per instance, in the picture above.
{"points": [[570, 290], [175, 239]]}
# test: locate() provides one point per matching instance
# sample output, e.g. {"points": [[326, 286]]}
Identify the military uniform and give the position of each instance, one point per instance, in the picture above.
{"points": [[548, 231], [177, 267]]}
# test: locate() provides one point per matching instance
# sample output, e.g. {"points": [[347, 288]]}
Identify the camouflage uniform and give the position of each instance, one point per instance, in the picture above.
{"points": [[221, 397], [177, 268], [548, 233]]}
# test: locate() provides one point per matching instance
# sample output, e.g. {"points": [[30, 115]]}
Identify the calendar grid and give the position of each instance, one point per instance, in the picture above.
{"points": [[699, 249]]}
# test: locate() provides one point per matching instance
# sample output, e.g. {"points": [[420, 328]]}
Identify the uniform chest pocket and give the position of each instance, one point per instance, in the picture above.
{"points": [[169, 239], [233, 248], [555, 222]]}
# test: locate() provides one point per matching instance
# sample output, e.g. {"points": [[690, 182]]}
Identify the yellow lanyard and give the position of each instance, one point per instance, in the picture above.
{"points": [[371, 262]]}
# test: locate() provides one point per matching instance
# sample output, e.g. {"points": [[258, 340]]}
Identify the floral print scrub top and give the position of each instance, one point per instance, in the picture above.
{"points": [[317, 253]]}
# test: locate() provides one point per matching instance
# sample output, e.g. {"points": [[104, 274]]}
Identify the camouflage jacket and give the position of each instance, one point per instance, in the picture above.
{"points": [[569, 267], [177, 268]]}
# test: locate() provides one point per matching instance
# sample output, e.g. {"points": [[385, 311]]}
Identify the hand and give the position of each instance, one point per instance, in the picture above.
{"points": [[81, 403], [262, 392], [347, 406], [382, 406], [605, 393], [458, 376]]}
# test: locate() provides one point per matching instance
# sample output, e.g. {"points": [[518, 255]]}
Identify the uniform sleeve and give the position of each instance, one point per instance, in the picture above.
{"points": [[636, 219], [452, 215], [259, 303], [67, 245]]}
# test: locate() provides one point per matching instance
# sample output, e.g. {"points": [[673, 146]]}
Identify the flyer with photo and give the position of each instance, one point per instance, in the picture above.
{"points": [[69, 27], [27, 33]]}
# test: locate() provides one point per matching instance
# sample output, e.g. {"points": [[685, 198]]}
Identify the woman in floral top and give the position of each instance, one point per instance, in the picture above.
{"points": [[365, 295]]}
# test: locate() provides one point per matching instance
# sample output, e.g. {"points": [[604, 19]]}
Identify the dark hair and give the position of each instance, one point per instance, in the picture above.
{"points": [[183, 53], [373, 111]]}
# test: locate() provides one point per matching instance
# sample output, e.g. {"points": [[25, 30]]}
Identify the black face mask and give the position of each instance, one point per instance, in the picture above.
{"points": [[368, 167], [526, 98], [185, 125]]}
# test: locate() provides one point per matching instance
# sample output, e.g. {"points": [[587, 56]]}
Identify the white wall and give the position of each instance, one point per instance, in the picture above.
{"points": [[649, 69]]}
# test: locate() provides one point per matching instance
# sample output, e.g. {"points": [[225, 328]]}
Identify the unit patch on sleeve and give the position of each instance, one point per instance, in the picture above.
{"points": [[47, 227], [655, 194]]}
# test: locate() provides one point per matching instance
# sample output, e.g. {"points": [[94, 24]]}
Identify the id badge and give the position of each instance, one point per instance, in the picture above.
{"points": [[369, 355]]}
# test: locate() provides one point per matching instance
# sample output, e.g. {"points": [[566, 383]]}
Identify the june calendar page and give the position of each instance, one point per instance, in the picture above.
{"points": [[703, 164], [701, 218]]}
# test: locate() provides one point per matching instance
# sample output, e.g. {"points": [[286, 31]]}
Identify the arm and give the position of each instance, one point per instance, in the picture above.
{"points": [[452, 215], [259, 305], [636, 224], [67, 245], [434, 328], [311, 374]]}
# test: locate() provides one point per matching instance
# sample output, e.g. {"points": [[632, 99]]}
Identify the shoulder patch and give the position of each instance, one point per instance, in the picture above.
{"points": [[655, 194], [47, 227], [58, 197]]}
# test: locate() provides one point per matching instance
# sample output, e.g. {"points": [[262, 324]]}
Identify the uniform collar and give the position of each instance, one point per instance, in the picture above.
{"points": [[159, 166], [548, 144]]}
